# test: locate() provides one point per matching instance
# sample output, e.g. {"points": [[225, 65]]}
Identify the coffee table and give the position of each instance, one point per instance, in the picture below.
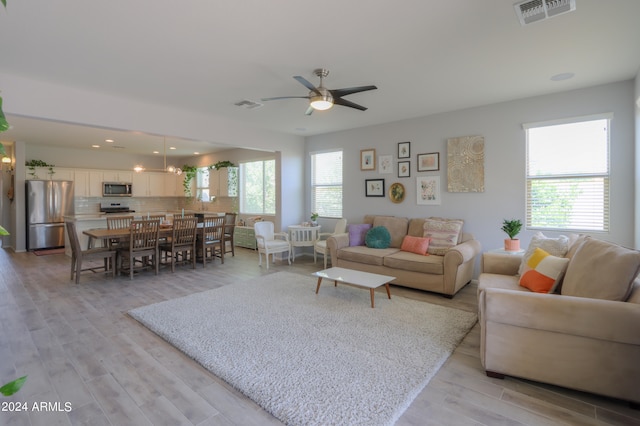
{"points": [[357, 278]]}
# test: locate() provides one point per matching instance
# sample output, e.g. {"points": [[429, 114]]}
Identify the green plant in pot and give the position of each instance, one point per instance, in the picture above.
{"points": [[189, 173], [512, 229], [314, 218]]}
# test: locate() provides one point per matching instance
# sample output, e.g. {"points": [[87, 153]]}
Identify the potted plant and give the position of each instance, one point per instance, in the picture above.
{"points": [[511, 228], [314, 219]]}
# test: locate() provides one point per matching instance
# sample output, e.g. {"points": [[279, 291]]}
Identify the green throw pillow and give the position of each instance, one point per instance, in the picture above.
{"points": [[378, 237]]}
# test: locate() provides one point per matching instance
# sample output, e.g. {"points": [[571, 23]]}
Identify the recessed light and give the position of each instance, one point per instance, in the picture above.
{"points": [[95, 146], [196, 153], [562, 76], [109, 140], [156, 152], [172, 147]]}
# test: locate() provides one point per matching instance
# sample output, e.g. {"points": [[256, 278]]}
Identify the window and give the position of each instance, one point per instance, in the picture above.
{"points": [[326, 183], [568, 175], [202, 184], [258, 187]]}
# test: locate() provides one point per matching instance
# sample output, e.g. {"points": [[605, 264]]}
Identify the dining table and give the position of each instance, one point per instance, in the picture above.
{"points": [[104, 234]]}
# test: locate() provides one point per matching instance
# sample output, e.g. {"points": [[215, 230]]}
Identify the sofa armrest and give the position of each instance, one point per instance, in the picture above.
{"points": [[459, 263], [336, 242], [500, 263], [579, 316]]}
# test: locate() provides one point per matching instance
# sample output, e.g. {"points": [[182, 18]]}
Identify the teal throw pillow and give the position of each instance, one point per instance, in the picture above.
{"points": [[378, 237]]}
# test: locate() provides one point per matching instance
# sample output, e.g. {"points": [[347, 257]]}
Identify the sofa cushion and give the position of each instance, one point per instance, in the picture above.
{"points": [[554, 246], [415, 262], [365, 255], [444, 234], [357, 233], [378, 237], [542, 272], [417, 245], [601, 270], [397, 227]]}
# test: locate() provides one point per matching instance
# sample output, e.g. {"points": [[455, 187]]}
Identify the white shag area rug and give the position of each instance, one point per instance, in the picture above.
{"points": [[326, 359]]}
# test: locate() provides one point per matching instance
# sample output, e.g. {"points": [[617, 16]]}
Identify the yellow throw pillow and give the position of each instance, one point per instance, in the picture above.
{"points": [[543, 271]]}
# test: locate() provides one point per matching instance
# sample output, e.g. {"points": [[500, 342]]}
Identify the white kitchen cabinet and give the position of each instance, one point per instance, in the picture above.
{"points": [[117, 176], [223, 182], [152, 184], [87, 183], [62, 173]]}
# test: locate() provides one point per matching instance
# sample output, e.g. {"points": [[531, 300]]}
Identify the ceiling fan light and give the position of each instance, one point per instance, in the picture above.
{"points": [[321, 103]]}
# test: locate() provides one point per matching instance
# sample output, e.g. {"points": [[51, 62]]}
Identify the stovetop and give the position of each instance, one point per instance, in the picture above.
{"points": [[115, 208]]}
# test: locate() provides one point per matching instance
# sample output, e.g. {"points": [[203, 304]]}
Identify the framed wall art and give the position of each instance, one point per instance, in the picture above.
{"points": [[396, 192], [404, 169], [428, 188], [385, 164], [404, 149], [368, 159], [429, 162], [374, 187]]}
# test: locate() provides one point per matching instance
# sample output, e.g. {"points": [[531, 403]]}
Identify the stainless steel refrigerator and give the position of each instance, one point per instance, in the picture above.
{"points": [[48, 201]]}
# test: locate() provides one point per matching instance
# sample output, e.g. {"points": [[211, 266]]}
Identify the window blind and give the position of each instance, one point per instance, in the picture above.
{"points": [[568, 176], [326, 183]]}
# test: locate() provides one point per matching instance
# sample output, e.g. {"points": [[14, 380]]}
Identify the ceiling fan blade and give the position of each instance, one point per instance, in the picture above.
{"points": [[306, 84], [338, 93], [309, 110], [284, 97], [344, 102]]}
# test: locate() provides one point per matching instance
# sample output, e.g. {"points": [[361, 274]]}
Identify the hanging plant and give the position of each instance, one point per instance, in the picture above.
{"points": [[221, 164], [189, 173], [32, 164]]}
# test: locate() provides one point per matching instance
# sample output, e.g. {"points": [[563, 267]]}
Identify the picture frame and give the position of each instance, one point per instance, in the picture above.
{"points": [[404, 169], [397, 192], [368, 159], [374, 187], [429, 162], [404, 149], [385, 164], [428, 190]]}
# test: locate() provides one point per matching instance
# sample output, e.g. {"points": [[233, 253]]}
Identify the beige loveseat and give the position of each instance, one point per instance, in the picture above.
{"points": [[582, 338], [445, 274]]}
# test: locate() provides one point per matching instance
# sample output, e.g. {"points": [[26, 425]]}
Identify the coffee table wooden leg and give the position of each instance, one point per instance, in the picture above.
{"points": [[318, 287], [388, 290], [372, 298]]}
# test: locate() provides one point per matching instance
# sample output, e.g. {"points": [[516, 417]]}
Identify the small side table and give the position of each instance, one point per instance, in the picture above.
{"points": [[509, 252], [302, 236]]}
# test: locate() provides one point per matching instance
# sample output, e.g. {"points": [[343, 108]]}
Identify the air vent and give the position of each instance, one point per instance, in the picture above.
{"points": [[537, 10], [248, 104]]}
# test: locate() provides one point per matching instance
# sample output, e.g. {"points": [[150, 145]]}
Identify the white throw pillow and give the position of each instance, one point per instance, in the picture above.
{"points": [[554, 246]]}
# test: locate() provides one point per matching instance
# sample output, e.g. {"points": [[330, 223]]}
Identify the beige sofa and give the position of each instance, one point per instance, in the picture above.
{"points": [[582, 339], [445, 274]]}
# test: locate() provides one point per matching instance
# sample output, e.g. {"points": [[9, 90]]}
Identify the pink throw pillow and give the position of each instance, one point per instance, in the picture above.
{"points": [[415, 245]]}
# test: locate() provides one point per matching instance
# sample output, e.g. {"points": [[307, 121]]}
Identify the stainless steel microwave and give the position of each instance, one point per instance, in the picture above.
{"points": [[116, 189]]}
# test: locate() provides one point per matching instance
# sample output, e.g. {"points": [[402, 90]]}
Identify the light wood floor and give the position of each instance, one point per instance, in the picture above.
{"points": [[77, 345]]}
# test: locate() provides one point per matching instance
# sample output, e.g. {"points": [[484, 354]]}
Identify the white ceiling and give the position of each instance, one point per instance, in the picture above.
{"points": [[425, 56]]}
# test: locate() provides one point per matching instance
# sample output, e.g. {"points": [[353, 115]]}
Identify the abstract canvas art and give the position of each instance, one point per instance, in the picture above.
{"points": [[465, 164]]}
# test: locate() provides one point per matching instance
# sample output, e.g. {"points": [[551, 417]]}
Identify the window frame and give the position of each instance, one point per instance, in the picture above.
{"points": [[242, 187]]}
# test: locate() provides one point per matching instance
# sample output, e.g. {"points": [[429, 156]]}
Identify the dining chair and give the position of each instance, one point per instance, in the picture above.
{"points": [[143, 243], [229, 229], [211, 239], [182, 241], [118, 222], [320, 246], [270, 242], [78, 255]]}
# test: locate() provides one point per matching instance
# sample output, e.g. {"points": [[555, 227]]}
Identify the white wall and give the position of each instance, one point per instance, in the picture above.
{"points": [[501, 126], [637, 160]]}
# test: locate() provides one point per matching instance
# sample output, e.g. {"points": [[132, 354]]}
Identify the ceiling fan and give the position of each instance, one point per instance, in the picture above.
{"points": [[321, 98]]}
